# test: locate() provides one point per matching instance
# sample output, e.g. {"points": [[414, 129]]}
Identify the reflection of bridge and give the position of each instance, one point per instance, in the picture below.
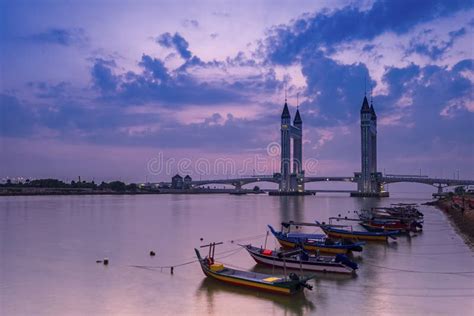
{"points": [[238, 183]]}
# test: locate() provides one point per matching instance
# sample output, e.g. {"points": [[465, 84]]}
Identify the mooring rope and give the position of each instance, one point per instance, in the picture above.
{"points": [[418, 271], [399, 294], [229, 253]]}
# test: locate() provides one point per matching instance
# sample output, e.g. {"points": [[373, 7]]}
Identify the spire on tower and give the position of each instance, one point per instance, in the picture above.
{"points": [[297, 120], [372, 110], [365, 105], [286, 112]]}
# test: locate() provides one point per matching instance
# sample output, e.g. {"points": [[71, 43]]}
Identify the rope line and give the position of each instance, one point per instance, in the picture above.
{"points": [[230, 252], [404, 295], [417, 271]]}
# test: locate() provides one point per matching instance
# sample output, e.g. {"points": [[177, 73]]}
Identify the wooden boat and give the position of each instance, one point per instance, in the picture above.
{"points": [[299, 259], [394, 212], [315, 242], [404, 209], [378, 225], [265, 282], [378, 220], [338, 232]]}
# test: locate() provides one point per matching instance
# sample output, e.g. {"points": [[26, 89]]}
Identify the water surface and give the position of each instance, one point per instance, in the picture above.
{"points": [[49, 246]]}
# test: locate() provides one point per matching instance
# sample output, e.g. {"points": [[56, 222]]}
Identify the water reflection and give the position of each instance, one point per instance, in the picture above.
{"points": [[295, 305], [292, 208]]}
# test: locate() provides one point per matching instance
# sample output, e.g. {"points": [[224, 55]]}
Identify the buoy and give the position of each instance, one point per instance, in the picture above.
{"points": [[172, 268], [231, 241], [106, 261], [201, 239], [152, 253], [339, 215]]}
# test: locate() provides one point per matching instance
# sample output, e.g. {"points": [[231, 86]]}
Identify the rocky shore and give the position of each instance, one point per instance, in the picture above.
{"points": [[460, 211]]}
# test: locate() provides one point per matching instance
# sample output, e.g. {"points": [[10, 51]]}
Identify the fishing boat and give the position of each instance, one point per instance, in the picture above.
{"points": [[391, 226], [300, 259], [288, 285], [378, 220], [314, 242], [339, 232], [405, 208]]}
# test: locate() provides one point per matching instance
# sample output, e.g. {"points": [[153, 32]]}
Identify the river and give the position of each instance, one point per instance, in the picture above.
{"points": [[49, 246]]}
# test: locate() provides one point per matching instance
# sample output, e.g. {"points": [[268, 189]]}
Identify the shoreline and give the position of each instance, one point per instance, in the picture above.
{"points": [[86, 191], [463, 221]]}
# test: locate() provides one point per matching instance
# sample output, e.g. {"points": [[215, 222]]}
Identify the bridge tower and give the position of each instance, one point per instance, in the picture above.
{"points": [[285, 148], [368, 183], [292, 179]]}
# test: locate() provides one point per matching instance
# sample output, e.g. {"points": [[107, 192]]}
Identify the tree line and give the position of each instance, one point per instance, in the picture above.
{"points": [[118, 186]]}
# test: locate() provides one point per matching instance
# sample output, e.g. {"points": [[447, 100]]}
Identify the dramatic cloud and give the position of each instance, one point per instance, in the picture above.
{"points": [[333, 90], [328, 28], [425, 44], [184, 95]]}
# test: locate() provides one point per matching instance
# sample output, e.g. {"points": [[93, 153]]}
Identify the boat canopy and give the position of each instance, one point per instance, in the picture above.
{"points": [[306, 236]]}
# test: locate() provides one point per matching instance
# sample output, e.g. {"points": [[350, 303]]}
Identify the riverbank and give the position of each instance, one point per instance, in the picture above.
{"points": [[26, 191], [461, 214]]}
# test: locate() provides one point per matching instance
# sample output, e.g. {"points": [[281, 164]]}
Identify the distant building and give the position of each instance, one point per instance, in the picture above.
{"points": [[187, 182], [177, 182]]}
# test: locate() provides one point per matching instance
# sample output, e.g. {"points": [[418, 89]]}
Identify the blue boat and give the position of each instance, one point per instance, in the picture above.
{"points": [[315, 242], [338, 232]]}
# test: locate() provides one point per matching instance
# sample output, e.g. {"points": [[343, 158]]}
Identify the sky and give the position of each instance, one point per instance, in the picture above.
{"points": [[140, 90]]}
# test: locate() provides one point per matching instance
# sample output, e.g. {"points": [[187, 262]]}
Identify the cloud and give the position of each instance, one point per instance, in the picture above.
{"points": [[175, 41], [190, 23], [185, 85], [334, 91], [61, 36], [45, 90], [222, 14], [325, 29], [102, 75], [155, 67], [425, 43], [15, 119]]}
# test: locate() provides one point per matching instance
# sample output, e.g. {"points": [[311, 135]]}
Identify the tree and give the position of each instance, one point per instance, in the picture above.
{"points": [[459, 190], [118, 186], [132, 187]]}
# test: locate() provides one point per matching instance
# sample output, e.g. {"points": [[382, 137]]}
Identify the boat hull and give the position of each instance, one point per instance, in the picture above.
{"points": [[279, 285], [296, 265], [250, 284], [356, 237], [313, 248]]}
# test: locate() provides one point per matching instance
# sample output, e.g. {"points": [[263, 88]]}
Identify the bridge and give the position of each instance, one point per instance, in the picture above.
{"points": [[291, 179], [238, 183], [439, 183]]}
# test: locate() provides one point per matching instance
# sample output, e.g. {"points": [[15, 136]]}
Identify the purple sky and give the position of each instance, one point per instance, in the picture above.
{"points": [[101, 89]]}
